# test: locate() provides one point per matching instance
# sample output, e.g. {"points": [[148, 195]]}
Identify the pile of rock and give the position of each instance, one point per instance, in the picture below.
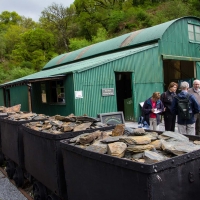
{"points": [[11, 109], [20, 116], [136, 144], [59, 124]]}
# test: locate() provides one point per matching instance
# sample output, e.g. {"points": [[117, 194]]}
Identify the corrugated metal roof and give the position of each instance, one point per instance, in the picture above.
{"points": [[79, 66], [127, 40]]}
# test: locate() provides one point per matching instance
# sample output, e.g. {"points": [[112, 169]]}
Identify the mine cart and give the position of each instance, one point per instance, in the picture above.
{"points": [[12, 148], [43, 160], [2, 115], [90, 175]]}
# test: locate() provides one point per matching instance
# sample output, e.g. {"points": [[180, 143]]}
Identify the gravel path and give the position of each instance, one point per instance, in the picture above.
{"points": [[8, 191]]}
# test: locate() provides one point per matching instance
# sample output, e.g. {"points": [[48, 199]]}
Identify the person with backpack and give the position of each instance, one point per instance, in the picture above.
{"points": [[196, 92], [152, 109], [185, 106], [167, 98]]}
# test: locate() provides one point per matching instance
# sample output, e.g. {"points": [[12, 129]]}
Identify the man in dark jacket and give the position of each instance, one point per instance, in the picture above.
{"points": [[186, 126]]}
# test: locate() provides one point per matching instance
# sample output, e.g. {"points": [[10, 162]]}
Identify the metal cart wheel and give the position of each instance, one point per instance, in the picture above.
{"points": [[18, 177], [10, 168], [39, 191]]}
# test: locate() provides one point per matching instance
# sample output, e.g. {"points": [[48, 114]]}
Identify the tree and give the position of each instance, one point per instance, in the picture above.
{"points": [[12, 37], [57, 19], [36, 46]]}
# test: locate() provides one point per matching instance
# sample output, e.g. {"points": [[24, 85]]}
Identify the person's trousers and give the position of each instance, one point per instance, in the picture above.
{"points": [[170, 121], [197, 124], [153, 124], [188, 129]]}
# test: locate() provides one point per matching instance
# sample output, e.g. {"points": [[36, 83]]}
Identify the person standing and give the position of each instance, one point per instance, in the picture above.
{"points": [[185, 126], [167, 98], [195, 90], [152, 109]]}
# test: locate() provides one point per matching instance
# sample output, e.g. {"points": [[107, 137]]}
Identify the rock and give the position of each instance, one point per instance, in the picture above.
{"points": [[40, 117], [86, 119], [197, 142], [139, 131], [152, 135], [118, 130], [97, 147], [157, 144], [76, 139], [139, 148], [128, 131], [135, 140], [140, 160], [70, 118], [153, 157], [179, 147], [15, 108], [137, 155], [162, 137], [110, 139], [46, 126], [86, 139], [82, 127], [55, 132], [177, 136], [117, 149], [56, 123], [66, 128]]}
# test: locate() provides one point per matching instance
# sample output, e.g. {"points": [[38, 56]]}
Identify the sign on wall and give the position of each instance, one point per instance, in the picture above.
{"points": [[108, 91], [78, 94]]}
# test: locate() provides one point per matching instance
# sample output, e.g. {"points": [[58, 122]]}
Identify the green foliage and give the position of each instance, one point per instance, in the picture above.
{"points": [[76, 43], [19, 72], [101, 35]]}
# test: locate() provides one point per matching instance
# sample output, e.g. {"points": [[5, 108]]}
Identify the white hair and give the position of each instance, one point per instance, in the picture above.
{"points": [[196, 81], [184, 85]]}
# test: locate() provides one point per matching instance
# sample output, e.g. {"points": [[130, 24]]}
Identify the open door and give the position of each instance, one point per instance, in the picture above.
{"points": [[7, 97], [178, 71], [124, 94]]}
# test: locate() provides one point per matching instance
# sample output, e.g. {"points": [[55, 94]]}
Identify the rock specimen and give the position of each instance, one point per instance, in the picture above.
{"points": [[117, 149]]}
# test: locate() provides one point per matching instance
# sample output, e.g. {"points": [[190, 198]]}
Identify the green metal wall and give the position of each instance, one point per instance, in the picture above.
{"points": [[147, 77], [1, 97], [19, 95], [175, 40], [50, 109]]}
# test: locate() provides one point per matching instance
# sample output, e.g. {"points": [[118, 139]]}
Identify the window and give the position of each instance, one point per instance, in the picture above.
{"points": [[43, 93], [57, 91], [194, 32]]}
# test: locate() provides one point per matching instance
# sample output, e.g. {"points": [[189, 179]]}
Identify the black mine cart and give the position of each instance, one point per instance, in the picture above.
{"points": [[91, 175], [12, 148], [43, 160], [2, 115]]}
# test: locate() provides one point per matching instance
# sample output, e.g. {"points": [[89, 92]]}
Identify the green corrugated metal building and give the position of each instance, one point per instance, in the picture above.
{"points": [[114, 75]]}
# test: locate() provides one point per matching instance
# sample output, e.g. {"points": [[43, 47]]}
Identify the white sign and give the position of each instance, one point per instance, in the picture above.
{"points": [[78, 94]]}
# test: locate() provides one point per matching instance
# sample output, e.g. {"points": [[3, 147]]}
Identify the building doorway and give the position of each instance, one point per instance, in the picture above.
{"points": [[7, 97], [178, 71], [124, 94]]}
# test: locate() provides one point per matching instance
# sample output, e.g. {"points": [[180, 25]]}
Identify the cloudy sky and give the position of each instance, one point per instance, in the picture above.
{"points": [[30, 8]]}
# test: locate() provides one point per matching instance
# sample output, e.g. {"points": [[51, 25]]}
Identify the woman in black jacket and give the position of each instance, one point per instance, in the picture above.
{"points": [[167, 98]]}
